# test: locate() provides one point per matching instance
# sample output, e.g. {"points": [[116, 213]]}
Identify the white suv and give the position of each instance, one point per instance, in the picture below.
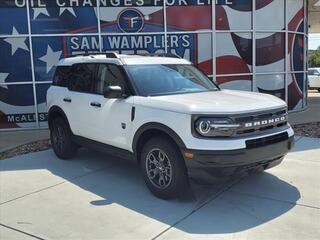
{"points": [[164, 114], [314, 78]]}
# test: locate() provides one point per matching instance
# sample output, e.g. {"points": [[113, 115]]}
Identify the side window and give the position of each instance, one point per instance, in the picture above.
{"points": [[310, 72], [62, 76], [109, 75], [82, 78]]}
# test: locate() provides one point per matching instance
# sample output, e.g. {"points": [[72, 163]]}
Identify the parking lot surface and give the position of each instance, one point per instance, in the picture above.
{"points": [[95, 196]]}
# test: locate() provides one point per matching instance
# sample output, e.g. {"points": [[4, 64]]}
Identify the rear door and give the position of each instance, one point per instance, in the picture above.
{"points": [[78, 96]]}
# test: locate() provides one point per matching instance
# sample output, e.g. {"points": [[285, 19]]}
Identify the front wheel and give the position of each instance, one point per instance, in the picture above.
{"points": [[163, 168], [60, 136]]}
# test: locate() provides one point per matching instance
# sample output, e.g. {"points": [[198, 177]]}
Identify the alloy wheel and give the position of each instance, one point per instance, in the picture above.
{"points": [[159, 168]]}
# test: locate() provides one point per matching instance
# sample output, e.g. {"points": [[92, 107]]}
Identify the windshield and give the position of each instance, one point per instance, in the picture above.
{"points": [[166, 79]]}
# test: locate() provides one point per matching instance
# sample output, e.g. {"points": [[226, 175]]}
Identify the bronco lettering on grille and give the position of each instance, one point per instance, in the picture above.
{"points": [[266, 122]]}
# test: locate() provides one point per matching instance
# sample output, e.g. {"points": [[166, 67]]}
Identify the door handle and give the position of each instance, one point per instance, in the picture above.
{"points": [[66, 99], [95, 104]]}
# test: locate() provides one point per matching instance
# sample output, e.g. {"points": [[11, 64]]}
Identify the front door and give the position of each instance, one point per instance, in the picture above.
{"points": [[111, 118]]}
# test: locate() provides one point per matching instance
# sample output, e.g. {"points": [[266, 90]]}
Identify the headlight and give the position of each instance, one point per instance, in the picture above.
{"points": [[215, 127]]}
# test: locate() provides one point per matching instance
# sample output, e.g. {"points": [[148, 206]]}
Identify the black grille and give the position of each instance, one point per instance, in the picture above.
{"points": [[260, 142], [254, 117], [242, 120]]}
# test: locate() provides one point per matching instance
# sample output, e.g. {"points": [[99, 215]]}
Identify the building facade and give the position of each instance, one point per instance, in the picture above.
{"points": [[251, 45]]}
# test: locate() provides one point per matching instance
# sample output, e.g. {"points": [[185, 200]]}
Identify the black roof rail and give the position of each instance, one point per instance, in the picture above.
{"points": [[107, 54], [75, 55], [116, 55], [112, 55], [83, 54], [172, 55]]}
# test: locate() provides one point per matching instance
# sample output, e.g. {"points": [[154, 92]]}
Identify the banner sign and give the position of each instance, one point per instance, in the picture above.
{"points": [[112, 3]]}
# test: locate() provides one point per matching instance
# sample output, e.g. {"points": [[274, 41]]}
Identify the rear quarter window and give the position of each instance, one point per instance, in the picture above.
{"points": [[62, 76], [82, 77]]}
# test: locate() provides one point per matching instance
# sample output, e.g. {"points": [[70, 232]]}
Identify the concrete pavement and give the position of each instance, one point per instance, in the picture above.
{"points": [[96, 196]]}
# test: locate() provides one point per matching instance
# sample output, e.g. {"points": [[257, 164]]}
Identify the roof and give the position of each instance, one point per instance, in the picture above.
{"points": [[122, 59]]}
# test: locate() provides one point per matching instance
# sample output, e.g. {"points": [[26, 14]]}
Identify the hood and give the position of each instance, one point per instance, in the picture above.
{"points": [[215, 102]]}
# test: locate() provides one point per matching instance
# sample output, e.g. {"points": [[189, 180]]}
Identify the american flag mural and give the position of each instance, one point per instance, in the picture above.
{"points": [[260, 49]]}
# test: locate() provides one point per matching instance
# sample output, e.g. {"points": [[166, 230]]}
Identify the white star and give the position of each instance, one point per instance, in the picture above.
{"points": [[51, 58], [3, 77], [16, 42], [38, 11], [70, 9]]}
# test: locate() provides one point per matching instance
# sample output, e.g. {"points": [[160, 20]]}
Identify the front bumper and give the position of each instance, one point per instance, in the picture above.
{"points": [[264, 151]]}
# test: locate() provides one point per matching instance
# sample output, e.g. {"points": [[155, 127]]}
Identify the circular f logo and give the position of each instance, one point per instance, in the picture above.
{"points": [[130, 20]]}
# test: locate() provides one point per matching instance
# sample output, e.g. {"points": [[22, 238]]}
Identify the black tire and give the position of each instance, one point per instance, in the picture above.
{"points": [[174, 180], [319, 90], [60, 136]]}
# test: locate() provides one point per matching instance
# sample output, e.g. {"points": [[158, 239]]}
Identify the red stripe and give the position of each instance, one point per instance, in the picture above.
{"points": [[189, 17], [294, 95], [231, 64], [222, 22], [295, 22], [206, 67]]}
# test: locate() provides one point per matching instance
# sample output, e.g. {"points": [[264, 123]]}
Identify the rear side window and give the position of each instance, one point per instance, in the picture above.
{"points": [[313, 72], [62, 76], [82, 78]]}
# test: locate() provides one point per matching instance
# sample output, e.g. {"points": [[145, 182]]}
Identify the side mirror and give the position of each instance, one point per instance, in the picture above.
{"points": [[113, 92]]}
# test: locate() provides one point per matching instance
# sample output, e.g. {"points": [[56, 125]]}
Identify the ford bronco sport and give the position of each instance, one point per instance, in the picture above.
{"points": [[163, 113]]}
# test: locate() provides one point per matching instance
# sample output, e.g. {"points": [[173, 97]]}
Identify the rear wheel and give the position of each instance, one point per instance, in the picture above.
{"points": [[163, 168], [60, 136]]}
